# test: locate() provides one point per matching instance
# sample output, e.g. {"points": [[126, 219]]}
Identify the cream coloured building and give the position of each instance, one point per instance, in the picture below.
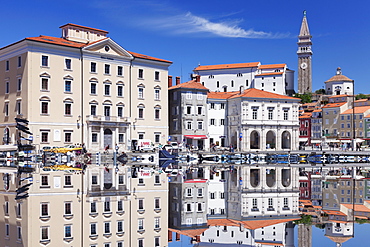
{"points": [[105, 206], [83, 88]]}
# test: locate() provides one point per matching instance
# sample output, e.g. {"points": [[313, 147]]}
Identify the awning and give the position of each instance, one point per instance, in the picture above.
{"points": [[195, 137], [301, 139], [316, 141], [345, 141]]}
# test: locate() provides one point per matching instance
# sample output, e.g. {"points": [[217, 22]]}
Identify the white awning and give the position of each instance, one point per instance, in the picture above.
{"points": [[346, 141], [303, 139], [316, 141]]}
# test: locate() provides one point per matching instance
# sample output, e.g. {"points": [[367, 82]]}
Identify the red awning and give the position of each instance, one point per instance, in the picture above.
{"points": [[195, 136]]}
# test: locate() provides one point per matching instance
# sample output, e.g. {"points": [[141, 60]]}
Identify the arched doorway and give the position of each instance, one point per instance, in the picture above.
{"points": [[270, 177], [255, 177], [270, 139], [285, 177], [108, 138], [255, 140], [286, 140]]}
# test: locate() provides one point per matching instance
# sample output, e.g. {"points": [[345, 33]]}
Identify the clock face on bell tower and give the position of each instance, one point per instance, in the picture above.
{"points": [[304, 58]]}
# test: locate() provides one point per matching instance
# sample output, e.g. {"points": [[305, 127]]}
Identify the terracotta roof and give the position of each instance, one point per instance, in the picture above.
{"points": [[272, 73], [56, 41], [341, 95], [256, 93], [334, 212], [272, 66], [190, 84], [95, 29], [306, 202], [195, 181], [227, 66], [255, 224], [190, 233], [358, 207], [367, 116], [64, 42], [221, 95], [138, 55], [222, 222], [306, 115], [358, 109], [339, 78], [361, 100], [332, 105], [318, 110], [338, 239], [310, 104]]}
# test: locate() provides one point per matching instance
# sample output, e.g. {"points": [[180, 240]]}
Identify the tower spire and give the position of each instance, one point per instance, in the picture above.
{"points": [[304, 27]]}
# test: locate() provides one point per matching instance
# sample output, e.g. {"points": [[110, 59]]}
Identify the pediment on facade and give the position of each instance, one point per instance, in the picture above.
{"points": [[108, 47]]}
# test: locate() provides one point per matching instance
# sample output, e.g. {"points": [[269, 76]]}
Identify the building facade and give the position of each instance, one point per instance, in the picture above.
{"points": [[83, 88]]}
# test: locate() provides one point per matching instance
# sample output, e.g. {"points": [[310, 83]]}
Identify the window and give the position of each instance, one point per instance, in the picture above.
{"points": [[254, 203], [212, 195], [67, 86], [141, 74], [44, 180], [67, 208], [106, 111], [141, 113], [19, 109], [189, 192], [93, 207], [45, 61], [254, 113], [157, 114], [141, 204], [68, 137], [93, 67], [156, 241], [6, 208], [140, 224], [19, 61], [156, 223], [120, 138], [107, 206], [120, 226], [212, 105], [92, 88], [189, 125], [93, 229], [188, 95], [107, 69], [119, 70], [200, 110], [44, 209], [157, 202], [188, 109], [120, 91], [67, 180], [106, 90], [68, 63], [200, 192], [212, 122], [7, 87], [67, 109], [156, 75], [157, 138], [45, 84], [156, 94], [232, 83], [106, 227], [222, 106], [286, 111], [222, 122], [44, 233], [120, 111], [93, 110], [68, 231], [270, 113], [44, 137], [19, 84], [94, 137], [200, 125], [141, 93], [141, 242], [44, 107], [7, 65], [120, 206], [19, 232]]}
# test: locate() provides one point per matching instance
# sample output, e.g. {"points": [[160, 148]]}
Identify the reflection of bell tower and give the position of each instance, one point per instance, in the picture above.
{"points": [[304, 58]]}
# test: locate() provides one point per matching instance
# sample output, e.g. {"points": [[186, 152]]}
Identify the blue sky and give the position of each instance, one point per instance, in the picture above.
{"points": [[212, 32]]}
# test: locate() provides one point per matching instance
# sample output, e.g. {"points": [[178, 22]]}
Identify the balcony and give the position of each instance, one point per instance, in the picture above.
{"points": [[99, 118]]}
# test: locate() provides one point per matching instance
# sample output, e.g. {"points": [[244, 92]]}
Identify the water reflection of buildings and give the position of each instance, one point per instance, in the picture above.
{"points": [[229, 205]]}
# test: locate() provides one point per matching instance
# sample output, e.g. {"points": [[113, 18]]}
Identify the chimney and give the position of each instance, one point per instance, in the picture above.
{"points": [[197, 78], [170, 81], [177, 80]]}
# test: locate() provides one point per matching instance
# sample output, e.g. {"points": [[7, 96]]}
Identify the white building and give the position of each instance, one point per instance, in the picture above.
{"points": [[339, 84], [275, 78]]}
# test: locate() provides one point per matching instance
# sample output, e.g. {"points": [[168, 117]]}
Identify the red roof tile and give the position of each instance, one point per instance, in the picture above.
{"points": [[272, 66], [190, 84], [256, 93], [255, 224], [332, 105], [138, 55], [358, 207], [222, 222], [341, 95], [227, 66], [190, 233], [339, 78], [57, 41], [358, 109], [221, 95]]}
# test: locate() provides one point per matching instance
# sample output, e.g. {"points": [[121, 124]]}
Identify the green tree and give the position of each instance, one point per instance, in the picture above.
{"points": [[361, 96], [320, 91], [305, 98]]}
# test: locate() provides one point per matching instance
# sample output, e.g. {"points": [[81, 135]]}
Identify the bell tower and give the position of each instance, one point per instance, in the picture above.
{"points": [[304, 58]]}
